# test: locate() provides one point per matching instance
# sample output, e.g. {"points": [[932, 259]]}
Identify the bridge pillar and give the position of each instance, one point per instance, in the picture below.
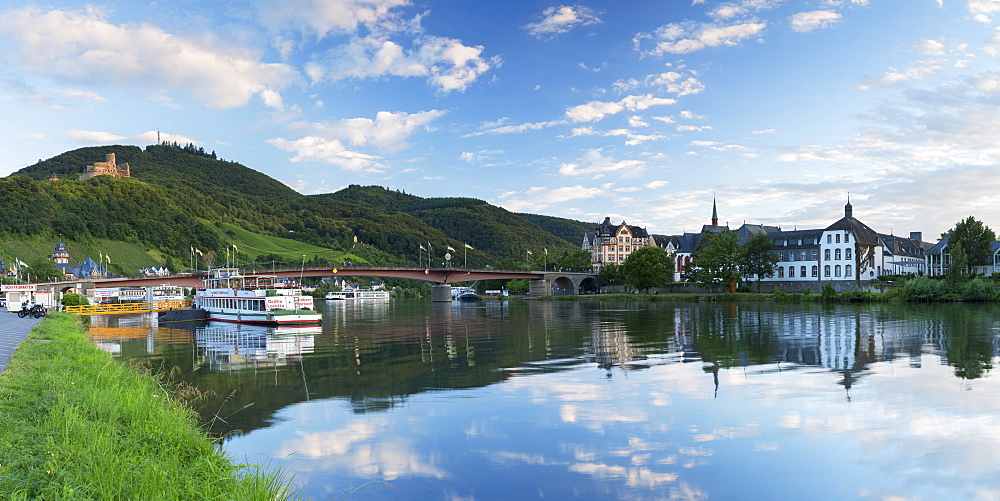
{"points": [[539, 287], [441, 293]]}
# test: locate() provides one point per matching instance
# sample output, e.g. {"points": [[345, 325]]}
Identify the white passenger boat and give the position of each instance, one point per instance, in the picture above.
{"points": [[230, 296], [358, 294]]}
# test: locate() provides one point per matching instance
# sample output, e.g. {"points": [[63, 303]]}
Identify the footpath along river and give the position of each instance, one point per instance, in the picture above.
{"points": [[408, 399]]}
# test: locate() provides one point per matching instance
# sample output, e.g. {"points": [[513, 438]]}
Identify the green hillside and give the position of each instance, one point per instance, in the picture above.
{"points": [[180, 198]]}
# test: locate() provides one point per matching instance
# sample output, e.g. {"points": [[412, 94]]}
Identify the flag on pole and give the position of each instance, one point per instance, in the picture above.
{"points": [[422, 247], [451, 248], [546, 250], [529, 251], [198, 251], [467, 246]]}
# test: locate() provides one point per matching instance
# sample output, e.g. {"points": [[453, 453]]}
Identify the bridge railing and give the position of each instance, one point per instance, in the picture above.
{"points": [[123, 308]]}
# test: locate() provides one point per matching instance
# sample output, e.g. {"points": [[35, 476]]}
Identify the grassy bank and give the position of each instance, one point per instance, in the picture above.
{"points": [[78, 424]]}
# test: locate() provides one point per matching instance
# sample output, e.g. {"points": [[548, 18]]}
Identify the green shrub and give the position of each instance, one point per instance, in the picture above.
{"points": [[829, 293], [976, 290], [73, 299], [923, 289]]}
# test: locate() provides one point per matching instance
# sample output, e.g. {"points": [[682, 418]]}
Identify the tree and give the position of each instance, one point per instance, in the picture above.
{"points": [[759, 258], [576, 261], [73, 299], [647, 267], [717, 261], [969, 245], [518, 286], [610, 274], [42, 268]]}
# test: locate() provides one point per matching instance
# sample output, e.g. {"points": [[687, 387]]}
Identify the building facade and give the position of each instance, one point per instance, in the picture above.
{"points": [[613, 243]]}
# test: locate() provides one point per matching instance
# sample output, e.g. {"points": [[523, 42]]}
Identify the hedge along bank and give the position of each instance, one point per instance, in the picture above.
{"points": [[79, 424]]}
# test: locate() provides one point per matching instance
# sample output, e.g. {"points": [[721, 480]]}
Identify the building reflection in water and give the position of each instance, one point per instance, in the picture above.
{"points": [[227, 347]]}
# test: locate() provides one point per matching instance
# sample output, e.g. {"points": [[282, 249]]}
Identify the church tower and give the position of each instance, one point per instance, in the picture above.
{"points": [[60, 255], [715, 214]]}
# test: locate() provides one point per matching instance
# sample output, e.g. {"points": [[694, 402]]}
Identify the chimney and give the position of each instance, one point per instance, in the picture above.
{"points": [[917, 236]]}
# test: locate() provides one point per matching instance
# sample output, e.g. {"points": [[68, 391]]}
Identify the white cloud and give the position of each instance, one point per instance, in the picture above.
{"points": [[331, 151], [981, 10], [653, 185], [517, 128], [538, 198], [670, 81], [689, 36], [596, 110], [561, 19], [324, 142], [593, 162], [637, 121], [389, 130], [446, 63], [84, 95], [81, 46], [96, 137], [808, 21], [765, 131], [321, 18], [693, 128]]}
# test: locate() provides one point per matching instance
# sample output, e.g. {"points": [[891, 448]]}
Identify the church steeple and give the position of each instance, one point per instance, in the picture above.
{"points": [[715, 213], [849, 209]]}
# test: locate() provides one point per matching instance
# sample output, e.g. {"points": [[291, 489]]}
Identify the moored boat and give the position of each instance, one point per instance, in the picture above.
{"points": [[357, 294], [230, 296]]}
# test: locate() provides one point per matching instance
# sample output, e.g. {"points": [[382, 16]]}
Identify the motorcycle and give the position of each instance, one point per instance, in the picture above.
{"points": [[37, 311]]}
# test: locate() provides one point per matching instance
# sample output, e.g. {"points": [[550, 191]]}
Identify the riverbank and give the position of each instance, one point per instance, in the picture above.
{"points": [[79, 424]]}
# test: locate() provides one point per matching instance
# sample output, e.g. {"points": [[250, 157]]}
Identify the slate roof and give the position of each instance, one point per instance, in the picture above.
{"points": [[902, 246], [940, 246], [609, 229], [862, 233]]}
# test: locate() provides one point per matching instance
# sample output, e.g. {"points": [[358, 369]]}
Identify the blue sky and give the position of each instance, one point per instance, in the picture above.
{"points": [[638, 110]]}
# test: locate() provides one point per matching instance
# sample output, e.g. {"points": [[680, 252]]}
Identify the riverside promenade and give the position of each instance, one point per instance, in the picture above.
{"points": [[13, 330]]}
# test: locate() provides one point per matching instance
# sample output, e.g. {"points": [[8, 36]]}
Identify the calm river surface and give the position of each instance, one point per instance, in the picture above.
{"points": [[408, 399]]}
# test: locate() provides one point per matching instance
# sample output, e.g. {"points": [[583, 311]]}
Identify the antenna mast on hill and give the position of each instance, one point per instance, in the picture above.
{"points": [[157, 137]]}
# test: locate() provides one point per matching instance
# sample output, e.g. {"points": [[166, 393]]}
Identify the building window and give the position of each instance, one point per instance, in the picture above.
{"points": [[847, 238], [847, 271], [826, 271], [802, 271], [816, 254], [791, 255], [803, 255], [829, 239], [826, 254], [781, 272], [836, 254], [838, 238], [836, 271], [781, 255], [791, 272], [815, 270], [847, 253]]}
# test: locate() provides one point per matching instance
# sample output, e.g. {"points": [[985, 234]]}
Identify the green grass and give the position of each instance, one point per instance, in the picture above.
{"points": [[81, 425]]}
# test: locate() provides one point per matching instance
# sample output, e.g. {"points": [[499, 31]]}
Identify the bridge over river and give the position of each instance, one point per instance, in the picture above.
{"points": [[540, 283]]}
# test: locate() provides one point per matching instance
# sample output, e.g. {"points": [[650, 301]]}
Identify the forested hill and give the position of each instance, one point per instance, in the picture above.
{"points": [[179, 197]]}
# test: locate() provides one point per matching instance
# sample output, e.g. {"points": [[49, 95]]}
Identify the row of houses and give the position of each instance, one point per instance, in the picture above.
{"points": [[847, 253]]}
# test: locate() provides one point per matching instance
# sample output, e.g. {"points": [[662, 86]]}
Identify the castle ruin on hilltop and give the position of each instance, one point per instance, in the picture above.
{"points": [[107, 168]]}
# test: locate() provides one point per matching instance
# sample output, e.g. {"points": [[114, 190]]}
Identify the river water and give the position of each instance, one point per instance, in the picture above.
{"points": [[407, 399]]}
